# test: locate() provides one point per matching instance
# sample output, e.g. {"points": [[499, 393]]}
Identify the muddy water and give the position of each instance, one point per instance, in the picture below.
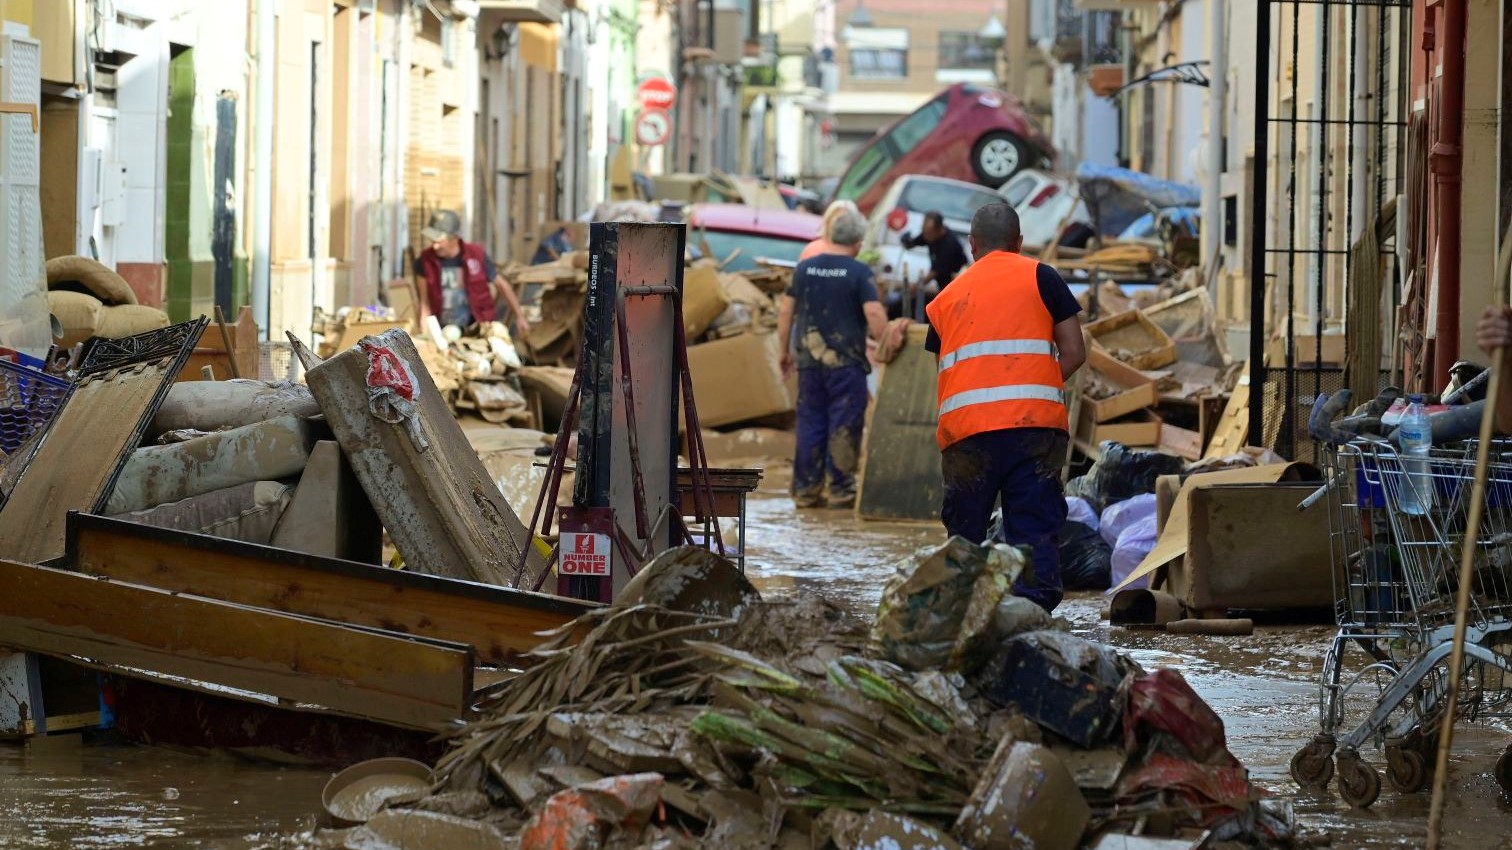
{"points": [[67, 794]]}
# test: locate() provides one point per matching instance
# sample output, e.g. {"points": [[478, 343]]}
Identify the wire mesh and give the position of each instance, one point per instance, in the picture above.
{"points": [[28, 400]]}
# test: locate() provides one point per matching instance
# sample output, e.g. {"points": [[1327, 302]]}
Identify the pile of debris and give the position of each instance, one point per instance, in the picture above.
{"points": [[963, 718], [730, 320], [1160, 376]]}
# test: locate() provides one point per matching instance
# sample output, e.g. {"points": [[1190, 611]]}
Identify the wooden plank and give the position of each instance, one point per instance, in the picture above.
{"points": [[365, 673], [1180, 442], [900, 473], [89, 439], [1233, 429], [499, 623]]}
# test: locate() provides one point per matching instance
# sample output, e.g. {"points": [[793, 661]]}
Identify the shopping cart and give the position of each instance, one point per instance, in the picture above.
{"points": [[28, 400], [1398, 526]]}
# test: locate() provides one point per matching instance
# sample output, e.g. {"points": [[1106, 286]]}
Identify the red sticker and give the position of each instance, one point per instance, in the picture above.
{"points": [[387, 371]]}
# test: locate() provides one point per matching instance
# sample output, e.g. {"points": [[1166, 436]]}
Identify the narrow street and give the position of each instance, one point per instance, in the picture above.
{"points": [[61, 792]]}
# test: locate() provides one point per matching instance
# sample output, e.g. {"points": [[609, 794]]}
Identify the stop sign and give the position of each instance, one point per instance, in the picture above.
{"points": [[656, 93]]}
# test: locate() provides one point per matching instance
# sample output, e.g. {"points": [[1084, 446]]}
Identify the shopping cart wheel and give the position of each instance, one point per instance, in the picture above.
{"points": [[1504, 770], [1313, 766], [1359, 783], [1406, 769]]}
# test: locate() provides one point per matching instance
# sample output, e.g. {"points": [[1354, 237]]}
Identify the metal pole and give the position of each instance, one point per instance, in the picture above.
{"points": [[262, 183], [1212, 215], [1259, 209], [1467, 558]]}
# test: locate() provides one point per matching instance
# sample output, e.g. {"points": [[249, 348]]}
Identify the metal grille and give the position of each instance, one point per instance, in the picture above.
{"points": [[1278, 415], [1331, 107], [28, 400]]}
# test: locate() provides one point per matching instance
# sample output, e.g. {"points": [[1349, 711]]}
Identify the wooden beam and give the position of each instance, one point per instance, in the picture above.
{"points": [[401, 680], [499, 623]]}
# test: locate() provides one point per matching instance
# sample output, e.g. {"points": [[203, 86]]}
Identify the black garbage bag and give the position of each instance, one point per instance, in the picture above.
{"points": [[1086, 560], [1122, 473]]}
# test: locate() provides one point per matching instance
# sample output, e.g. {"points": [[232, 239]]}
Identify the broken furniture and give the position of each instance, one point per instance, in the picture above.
{"points": [[238, 360], [438, 503], [100, 422], [729, 489], [900, 476], [277, 629]]}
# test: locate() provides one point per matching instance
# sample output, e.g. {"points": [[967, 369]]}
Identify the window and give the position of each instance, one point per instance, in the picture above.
{"points": [[965, 50], [912, 130], [954, 202], [877, 53], [869, 167], [872, 63]]}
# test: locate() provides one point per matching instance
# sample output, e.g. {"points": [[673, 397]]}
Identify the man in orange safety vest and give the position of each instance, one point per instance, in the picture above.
{"points": [[1007, 336]]}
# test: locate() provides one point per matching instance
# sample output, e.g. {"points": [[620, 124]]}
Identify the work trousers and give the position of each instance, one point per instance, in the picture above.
{"points": [[831, 414], [1022, 467]]}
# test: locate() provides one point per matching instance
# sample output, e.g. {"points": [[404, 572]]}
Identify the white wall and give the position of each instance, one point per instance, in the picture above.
{"points": [[1099, 129], [140, 146], [1191, 101]]}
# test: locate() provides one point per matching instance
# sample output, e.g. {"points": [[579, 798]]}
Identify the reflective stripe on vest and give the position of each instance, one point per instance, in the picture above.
{"points": [[1014, 392], [996, 347]]}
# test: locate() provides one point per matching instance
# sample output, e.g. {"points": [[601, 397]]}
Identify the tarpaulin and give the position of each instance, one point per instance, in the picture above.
{"points": [[1116, 197]]}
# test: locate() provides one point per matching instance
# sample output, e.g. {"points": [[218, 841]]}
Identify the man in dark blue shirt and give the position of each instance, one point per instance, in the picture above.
{"points": [[827, 314]]}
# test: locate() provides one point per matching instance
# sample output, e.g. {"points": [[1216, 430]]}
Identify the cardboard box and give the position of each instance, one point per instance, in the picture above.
{"points": [[738, 379], [1248, 547], [1133, 332], [704, 299], [1140, 429], [1138, 388]]}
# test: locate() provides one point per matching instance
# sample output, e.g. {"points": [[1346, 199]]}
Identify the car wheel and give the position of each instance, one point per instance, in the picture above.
{"points": [[997, 157]]}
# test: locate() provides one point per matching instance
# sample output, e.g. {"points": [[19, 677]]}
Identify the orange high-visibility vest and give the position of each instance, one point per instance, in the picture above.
{"points": [[998, 367]]}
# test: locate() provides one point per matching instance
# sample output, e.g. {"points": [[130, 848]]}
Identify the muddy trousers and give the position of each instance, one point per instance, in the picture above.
{"points": [[831, 414], [1022, 467]]}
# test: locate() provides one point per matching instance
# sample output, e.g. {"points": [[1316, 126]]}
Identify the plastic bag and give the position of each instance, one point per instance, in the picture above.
{"points": [[939, 599], [1124, 514], [1085, 558], [1134, 544], [1077, 510], [1122, 472]]}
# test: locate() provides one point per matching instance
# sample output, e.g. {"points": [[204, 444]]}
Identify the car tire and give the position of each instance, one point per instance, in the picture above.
{"points": [[996, 157]]}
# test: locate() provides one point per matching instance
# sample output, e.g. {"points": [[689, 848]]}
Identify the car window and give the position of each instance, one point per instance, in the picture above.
{"points": [[752, 246], [912, 130], [1018, 189], [952, 201], [870, 166]]}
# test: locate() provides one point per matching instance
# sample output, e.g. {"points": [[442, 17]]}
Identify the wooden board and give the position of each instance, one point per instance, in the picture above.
{"points": [[99, 424], [366, 673], [500, 624], [1233, 428], [900, 469], [439, 504]]}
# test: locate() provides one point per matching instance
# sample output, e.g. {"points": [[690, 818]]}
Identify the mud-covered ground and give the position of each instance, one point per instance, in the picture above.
{"points": [[66, 793]]}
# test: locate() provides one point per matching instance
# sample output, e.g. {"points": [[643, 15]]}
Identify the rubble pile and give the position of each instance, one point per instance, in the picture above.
{"points": [[959, 719]]}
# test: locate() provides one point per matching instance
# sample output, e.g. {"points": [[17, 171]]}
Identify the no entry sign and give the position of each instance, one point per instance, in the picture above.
{"points": [[652, 127], [656, 93]]}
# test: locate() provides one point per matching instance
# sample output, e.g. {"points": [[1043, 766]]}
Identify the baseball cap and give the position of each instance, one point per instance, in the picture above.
{"points": [[443, 223]]}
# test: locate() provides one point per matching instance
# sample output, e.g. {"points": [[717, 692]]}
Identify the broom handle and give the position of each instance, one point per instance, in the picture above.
{"points": [[1467, 560]]}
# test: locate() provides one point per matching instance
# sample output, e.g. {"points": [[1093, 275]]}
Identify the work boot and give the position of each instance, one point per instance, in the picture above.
{"points": [[803, 502], [842, 501]]}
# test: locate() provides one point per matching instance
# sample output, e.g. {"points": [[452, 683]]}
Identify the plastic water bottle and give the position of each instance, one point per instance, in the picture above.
{"points": [[1416, 439]]}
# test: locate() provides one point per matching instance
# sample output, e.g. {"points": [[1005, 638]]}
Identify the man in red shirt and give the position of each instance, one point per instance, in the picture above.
{"points": [[460, 280]]}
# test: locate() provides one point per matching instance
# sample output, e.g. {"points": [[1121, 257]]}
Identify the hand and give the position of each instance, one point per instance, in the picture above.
{"points": [[1495, 329], [787, 364], [522, 328]]}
